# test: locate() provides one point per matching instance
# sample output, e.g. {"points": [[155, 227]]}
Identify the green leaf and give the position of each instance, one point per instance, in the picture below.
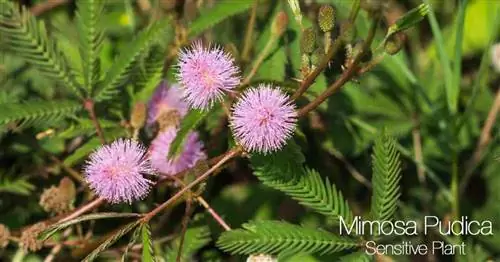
{"points": [[147, 245], [122, 67], [150, 74], [59, 226], [91, 39], [111, 240], [451, 90], [457, 65], [275, 237], [190, 122], [195, 238], [27, 38], [386, 177], [283, 171], [19, 186], [31, 113], [222, 10], [410, 19], [85, 127]]}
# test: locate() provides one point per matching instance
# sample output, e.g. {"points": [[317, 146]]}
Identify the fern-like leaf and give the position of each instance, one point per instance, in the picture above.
{"points": [[275, 237], [284, 172], [34, 112], [91, 38], [126, 61], [150, 73], [385, 180], [147, 244], [27, 38]]}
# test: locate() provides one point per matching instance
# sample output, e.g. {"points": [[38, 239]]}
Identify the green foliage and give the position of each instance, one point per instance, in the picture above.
{"points": [[23, 35], [19, 186], [190, 122], [195, 238], [131, 243], [408, 20], [91, 39], [386, 177], [275, 237], [284, 171], [150, 73], [222, 10], [110, 241], [123, 65], [34, 112], [147, 244]]}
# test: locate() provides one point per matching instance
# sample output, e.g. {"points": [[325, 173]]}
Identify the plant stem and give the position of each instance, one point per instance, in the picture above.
{"points": [[89, 106], [249, 33], [229, 155], [185, 221], [454, 187], [87, 207], [262, 55], [48, 5], [417, 145], [484, 140]]}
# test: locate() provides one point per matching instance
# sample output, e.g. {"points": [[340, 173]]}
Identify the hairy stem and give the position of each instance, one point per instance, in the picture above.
{"points": [[482, 143], [229, 155], [89, 106], [249, 33]]}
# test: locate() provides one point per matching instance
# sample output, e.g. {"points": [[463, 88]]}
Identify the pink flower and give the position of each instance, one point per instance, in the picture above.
{"points": [[263, 119], [192, 152], [116, 172], [205, 74], [166, 98]]}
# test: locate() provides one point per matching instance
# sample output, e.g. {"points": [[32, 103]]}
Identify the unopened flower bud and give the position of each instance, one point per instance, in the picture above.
{"points": [[58, 199], [279, 24], [308, 41], [68, 189], [393, 44], [495, 56], [138, 115], [326, 18], [168, 118], [4, 236], [29, 237], [261, 258]]}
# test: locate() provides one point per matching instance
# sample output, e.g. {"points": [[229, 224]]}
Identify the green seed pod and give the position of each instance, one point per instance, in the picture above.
{"points": [[326, 18], [393, 44], [308, 41]]}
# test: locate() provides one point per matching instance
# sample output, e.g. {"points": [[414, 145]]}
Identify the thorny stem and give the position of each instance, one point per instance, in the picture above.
{"points": [[229, 155], [89, 106], [87, 207], [185, 221], [209, 209], [249, 33], [484, 140], [346, 76], [260, 59]]}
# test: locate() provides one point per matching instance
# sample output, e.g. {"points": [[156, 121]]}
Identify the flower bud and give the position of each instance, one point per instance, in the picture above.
{"points": [[29, 237], [68, 189], [326, 18], [138, 115], [308, 41], [279, 24], [4, 236], [495, 57], [393, 44], [168, 118], [58, 199]]}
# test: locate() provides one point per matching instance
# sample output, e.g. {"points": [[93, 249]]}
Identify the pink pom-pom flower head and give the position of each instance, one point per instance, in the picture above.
{"points": [[116, 171], [263, 119], [205, 74], [165, 99], [190, 155]]}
